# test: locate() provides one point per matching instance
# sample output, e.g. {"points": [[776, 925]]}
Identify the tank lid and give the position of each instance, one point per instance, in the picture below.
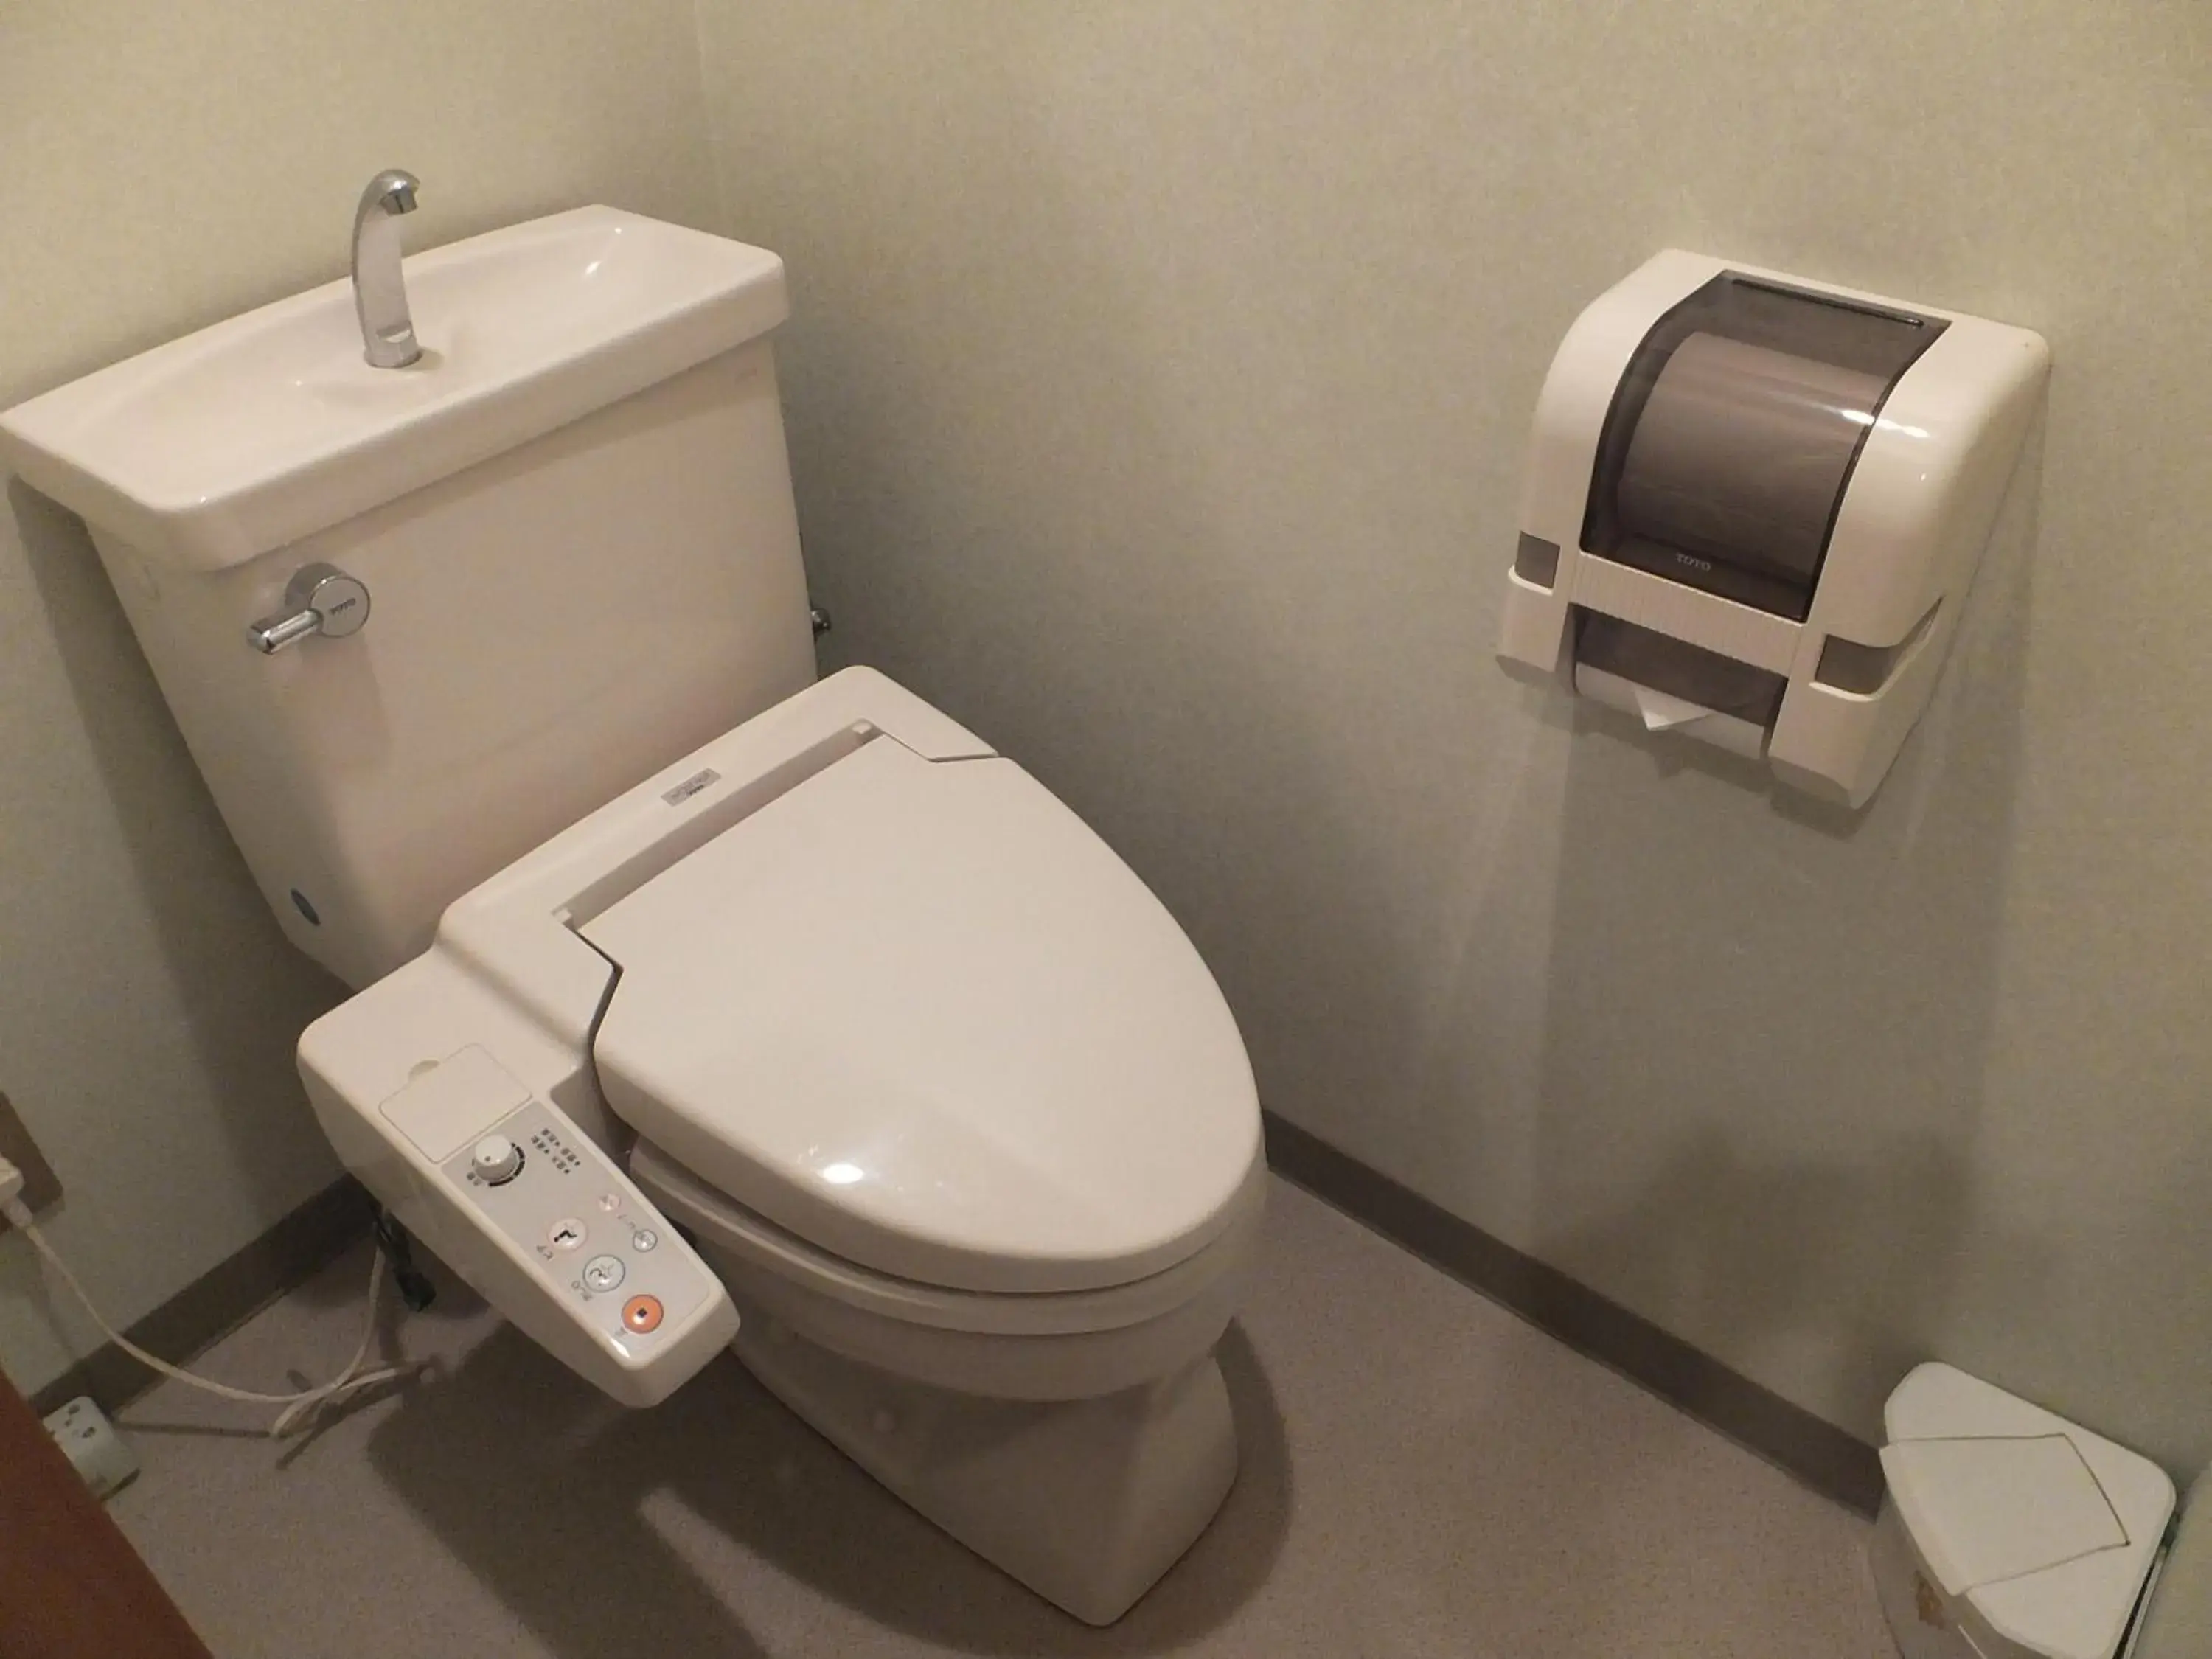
{"points": [[245, 436]]}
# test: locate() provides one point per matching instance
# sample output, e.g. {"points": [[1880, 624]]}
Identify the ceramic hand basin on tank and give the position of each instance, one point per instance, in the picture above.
{"points": [[267, 427]]}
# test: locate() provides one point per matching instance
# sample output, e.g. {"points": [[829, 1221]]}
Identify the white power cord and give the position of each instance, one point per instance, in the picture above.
{"points": [[297, 1406]]}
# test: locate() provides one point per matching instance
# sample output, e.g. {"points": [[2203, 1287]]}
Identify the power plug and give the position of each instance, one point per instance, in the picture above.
{"points": [[11, 1181]]}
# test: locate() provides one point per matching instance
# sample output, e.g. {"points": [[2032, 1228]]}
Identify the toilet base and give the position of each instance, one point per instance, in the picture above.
{"points": [[1087, 1502]]}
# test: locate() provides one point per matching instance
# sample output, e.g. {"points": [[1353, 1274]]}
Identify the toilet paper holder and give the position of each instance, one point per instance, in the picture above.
{"points": [[1753, 504]]}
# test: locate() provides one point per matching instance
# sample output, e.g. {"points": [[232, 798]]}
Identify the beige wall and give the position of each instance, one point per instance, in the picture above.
{"points": [[1158, 388], [166, 167]]}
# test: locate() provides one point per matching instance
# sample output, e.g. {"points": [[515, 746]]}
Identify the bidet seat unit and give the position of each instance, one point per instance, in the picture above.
{"points": [[941, 1093], [699, 1004]]}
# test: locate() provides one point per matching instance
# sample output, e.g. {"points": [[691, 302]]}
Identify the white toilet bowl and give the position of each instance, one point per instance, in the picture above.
{"points": [[1082, 1441]]}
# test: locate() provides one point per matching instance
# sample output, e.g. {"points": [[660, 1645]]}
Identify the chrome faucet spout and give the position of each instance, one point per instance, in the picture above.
{"points": [[379, 288]]}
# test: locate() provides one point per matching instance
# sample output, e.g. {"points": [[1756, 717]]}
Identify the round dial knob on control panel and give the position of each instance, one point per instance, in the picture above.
{"points": [[496, 1160]]}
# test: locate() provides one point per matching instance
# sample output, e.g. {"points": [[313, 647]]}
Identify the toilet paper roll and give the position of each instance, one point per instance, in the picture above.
{"points": [[1741, 452]]}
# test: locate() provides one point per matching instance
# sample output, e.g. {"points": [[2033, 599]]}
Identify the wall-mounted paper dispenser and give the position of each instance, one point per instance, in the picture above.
{"points": [[1754, 503]]}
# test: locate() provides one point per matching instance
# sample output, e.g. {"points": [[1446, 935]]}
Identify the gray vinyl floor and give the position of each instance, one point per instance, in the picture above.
{"points": [[1423, 1475]]}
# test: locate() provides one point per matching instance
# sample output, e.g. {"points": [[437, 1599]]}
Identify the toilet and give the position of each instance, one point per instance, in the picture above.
{"points": [[699, 1003]]}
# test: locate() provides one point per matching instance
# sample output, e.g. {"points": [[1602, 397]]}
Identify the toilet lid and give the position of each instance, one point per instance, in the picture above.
{"points": [[919, 1013]]}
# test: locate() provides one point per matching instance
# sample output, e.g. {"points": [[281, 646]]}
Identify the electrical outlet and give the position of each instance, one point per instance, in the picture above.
{"points": [[94, 1449], [40, 1187]]}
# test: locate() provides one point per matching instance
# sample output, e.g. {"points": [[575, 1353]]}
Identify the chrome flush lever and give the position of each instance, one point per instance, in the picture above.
{"points": [[323, 600]]}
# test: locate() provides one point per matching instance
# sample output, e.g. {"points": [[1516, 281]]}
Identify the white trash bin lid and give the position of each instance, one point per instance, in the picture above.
{"points": [[2046, 1530]]}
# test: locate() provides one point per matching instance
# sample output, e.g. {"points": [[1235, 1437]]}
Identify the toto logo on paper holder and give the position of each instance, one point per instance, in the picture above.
{"points": [[690, 786]]}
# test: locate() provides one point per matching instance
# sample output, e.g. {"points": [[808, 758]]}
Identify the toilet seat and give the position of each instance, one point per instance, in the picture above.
{"points": [[914, 1013], [1061, 1345], [727, 1224]]}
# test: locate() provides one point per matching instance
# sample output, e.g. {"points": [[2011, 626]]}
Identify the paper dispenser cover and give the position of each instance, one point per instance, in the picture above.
{"points": [[1732, 436]]}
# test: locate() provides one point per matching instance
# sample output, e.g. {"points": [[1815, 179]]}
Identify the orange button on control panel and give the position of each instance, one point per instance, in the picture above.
{"points": [[642, 1314]]}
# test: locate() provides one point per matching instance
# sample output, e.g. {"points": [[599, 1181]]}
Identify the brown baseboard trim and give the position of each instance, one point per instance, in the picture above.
{"points": [[1833, 1463], [219, 1300]]}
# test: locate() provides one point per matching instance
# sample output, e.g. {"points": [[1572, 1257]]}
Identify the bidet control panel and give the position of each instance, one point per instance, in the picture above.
{"points": [[601, 1248], [540, 1219]]}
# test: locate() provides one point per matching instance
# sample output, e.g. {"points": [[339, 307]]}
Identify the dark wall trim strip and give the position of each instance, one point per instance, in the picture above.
{"points": [[1836, 1464], [219, 1300]]}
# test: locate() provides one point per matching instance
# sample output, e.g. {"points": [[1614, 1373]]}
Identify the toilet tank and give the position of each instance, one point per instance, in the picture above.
{"points": [[547, 626]]}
